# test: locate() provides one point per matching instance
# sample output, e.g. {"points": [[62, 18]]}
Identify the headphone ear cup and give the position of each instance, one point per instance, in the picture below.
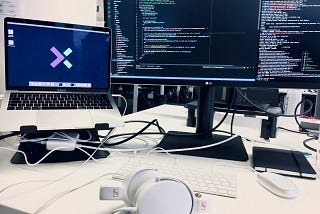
{"points": [[135, 180], [163, 196]]}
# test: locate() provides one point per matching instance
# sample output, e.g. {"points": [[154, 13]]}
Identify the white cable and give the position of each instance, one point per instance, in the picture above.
{"points": [[125, 209], [90, 156], [51, 181], [269, 143], [112, 150], [25, 156], [90, 135], [45, 156], [154, 139], [22, 182], [166, 151], [10, 143], [35, 140], [199, 147], [145, 141], [162, 149], [170, 150], [85, 162], [317, 161], [175, 158], [256, 140], [125, 102], [57, 180], [23, 139], [106, 138], [63, 137], [144, 148], [63, 134], [29, 164], [62, 194], [56, 146], [232, 165]]}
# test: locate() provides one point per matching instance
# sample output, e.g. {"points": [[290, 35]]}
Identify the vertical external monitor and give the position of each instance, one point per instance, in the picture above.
{"points": [[289, 51]]}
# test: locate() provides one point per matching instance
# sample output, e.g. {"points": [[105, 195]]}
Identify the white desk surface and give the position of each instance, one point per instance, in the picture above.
{"points": [[252, 198]]}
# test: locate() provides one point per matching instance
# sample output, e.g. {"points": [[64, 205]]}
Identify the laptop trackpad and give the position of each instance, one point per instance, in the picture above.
{"points": [[67, 119]]}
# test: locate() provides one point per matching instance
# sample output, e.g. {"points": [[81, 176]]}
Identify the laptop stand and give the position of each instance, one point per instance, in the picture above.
{"points": [[35, 151]]}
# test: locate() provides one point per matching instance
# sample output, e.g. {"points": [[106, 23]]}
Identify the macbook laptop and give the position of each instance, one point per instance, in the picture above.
{"points": [[57, 76]]}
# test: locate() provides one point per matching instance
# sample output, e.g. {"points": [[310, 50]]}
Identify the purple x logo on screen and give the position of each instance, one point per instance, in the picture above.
{"points": [[61, 57]]}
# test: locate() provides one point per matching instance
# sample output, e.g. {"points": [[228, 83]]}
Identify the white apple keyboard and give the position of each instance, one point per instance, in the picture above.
{"points": [[200, 180]]}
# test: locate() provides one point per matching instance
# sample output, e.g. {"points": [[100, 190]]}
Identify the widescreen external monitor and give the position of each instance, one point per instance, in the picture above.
{"points": [[208, 43], [251, 43]]}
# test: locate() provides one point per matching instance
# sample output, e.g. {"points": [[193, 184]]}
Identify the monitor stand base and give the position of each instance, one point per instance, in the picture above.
{"points": [[231, 150]]}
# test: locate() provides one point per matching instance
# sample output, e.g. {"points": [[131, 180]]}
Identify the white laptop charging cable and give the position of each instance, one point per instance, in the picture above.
{"points": [[317, 166], [125, 102]]}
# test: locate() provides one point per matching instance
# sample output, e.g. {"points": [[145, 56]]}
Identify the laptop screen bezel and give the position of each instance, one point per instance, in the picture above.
{"points": [[51, 23]]}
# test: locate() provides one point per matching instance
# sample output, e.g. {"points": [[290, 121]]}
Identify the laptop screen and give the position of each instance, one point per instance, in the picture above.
{"points": [[53, 56]]}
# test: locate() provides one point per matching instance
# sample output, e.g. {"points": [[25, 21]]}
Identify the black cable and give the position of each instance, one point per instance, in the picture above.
{"points": [[227, 112], [153, 122], [233, 114], [277, 115], [309, 147], [162, 131], [312, 134], [151, 133], [232, 119], [143, 121], [312, 137], [217, 126], [132, 133], [214, 129], [2, 137], [296, 117], [298, 132], [196, 134]]}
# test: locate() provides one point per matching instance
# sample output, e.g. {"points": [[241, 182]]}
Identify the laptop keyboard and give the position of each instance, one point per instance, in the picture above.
{"points": [[55, 101]]}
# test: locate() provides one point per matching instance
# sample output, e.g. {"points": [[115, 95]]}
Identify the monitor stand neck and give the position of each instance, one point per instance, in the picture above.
{"points": [[231, 150], [205, 111]]}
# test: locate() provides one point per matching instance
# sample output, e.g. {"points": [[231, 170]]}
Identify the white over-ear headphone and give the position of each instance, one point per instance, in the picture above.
{"points": [[149, 193]]}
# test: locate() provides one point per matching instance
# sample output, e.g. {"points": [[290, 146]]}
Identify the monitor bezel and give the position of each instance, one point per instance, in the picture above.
{"points": [[260, 84], [179, 81]]}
